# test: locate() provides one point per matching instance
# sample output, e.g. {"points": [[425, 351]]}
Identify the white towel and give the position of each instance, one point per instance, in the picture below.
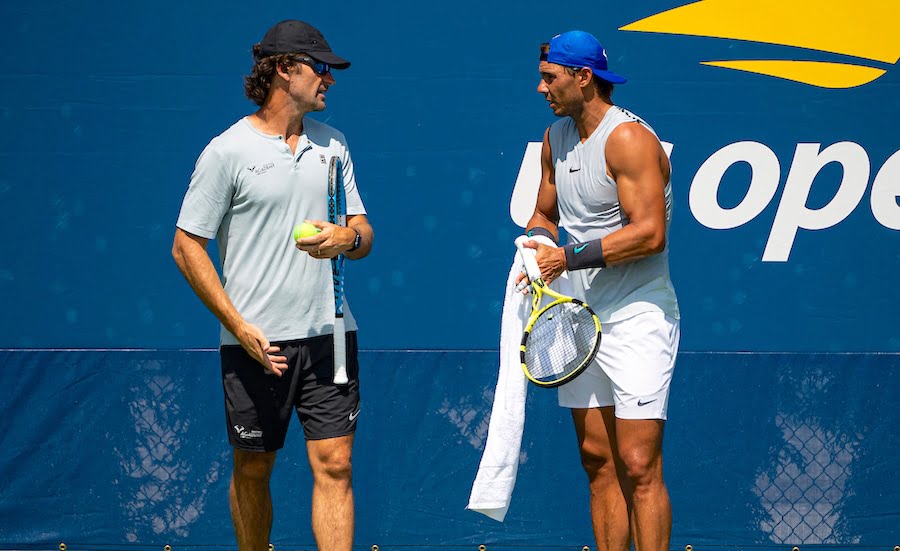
{"points": [[496, 477]]}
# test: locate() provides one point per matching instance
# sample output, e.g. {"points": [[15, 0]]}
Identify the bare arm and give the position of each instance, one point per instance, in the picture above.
{"points": [[546, 214], [189, 252], [640, 168]]}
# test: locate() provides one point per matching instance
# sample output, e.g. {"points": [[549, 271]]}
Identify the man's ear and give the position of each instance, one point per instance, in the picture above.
{"points": [[585, 75], [283, 70]]}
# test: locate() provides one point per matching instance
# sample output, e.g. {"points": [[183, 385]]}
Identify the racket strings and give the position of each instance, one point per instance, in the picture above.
{"points": [[561, 340]]}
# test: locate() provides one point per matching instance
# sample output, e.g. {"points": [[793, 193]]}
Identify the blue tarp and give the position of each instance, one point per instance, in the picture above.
{"points": [[123, 449]]}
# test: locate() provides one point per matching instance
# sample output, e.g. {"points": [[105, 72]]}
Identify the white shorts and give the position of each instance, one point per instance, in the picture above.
{"points": [[632, 370]]}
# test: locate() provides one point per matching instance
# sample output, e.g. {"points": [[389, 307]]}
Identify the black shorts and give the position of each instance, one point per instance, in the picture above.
{"points": [[258, 405]]}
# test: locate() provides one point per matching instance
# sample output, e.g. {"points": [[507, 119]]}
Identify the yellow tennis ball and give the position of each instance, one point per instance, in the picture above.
{"points": [[305, 230]]}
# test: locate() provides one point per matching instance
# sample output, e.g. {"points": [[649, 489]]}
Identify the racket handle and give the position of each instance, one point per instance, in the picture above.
{"points": [[532, 270], [340, 353]]}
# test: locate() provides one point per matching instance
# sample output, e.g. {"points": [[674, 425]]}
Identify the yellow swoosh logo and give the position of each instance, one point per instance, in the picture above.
{"points": [[864, 29], [815, 73]]}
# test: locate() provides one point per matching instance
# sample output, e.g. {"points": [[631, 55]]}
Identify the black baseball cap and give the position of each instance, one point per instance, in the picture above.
{"points": [[291, 36]]}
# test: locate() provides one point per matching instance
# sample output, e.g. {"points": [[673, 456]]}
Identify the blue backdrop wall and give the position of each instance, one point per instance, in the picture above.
{"points": [[784, 253], [105, 109]]}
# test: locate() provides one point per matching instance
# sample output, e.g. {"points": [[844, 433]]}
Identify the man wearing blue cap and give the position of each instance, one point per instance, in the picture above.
{"points": [[605, 179]]}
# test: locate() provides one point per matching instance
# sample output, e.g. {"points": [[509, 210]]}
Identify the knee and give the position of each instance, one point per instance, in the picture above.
{"points": [[642, 468], [335, 467], [253, 466], [598, 466]]}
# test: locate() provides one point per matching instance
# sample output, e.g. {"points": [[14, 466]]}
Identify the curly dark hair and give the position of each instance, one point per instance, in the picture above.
{"points": [[604, 87], [259, 81]]}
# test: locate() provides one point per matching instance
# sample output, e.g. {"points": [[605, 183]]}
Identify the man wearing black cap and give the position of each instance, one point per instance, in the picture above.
{"points": [[250, 186], [605, 179]]}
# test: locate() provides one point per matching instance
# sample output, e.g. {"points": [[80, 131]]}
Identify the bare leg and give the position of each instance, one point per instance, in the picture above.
{"points": [[596, 430], [640, 449], [251, 502], [332, 499]]}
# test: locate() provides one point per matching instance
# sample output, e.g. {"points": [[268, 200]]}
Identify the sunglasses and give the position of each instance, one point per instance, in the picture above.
{"points": [[319, 67]]}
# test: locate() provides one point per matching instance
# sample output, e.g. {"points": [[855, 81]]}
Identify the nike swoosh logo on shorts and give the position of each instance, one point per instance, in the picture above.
{"points": [[355, 415], [640, 404], [571, 170]]}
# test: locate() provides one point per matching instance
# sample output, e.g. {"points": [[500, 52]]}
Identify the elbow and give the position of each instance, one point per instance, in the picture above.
{"points": [[187, 250], [177, 256], [656, 242], [368, 242]]}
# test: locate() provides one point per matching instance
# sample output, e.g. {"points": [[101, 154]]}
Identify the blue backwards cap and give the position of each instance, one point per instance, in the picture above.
{"points": [[581, 49]]}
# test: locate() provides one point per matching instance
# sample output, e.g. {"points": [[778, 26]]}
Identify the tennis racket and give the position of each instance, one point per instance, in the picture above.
{"points": [[337, 214], [561, 338]]}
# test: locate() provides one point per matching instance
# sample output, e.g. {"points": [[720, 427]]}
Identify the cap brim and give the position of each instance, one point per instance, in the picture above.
{"points": [[330, 58], [609, 76]]}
